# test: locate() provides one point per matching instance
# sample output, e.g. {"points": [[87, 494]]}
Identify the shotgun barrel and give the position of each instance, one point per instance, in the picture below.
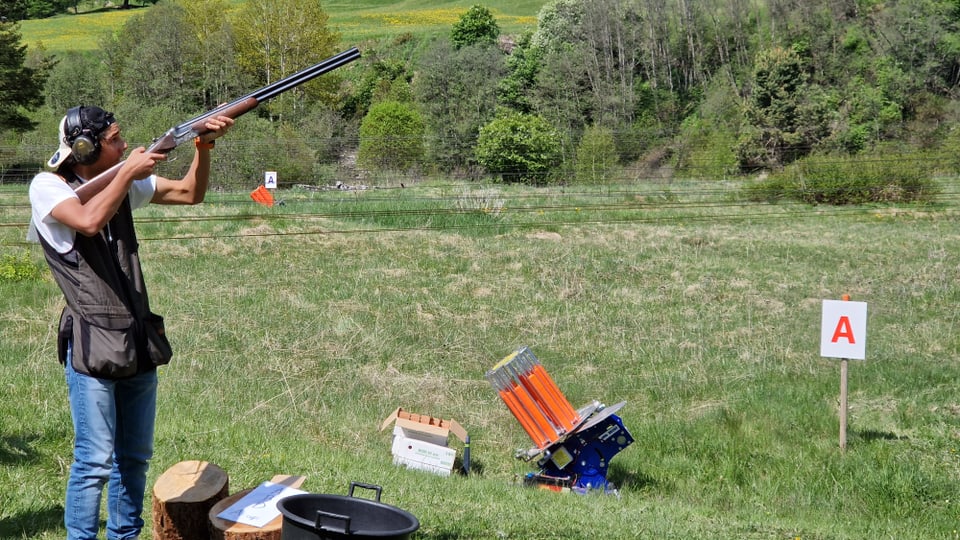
{"points": [[197, 126], [271, 90]]}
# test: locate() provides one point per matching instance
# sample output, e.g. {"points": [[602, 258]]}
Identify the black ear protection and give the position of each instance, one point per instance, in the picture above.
{"points": [[84, 144]]}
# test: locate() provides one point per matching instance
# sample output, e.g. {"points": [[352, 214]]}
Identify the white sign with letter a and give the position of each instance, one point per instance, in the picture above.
{"points": [[270, 179], [843, 332]]}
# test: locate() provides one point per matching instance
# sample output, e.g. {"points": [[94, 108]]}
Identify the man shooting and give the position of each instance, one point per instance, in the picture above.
{"points": [[109, 341]]}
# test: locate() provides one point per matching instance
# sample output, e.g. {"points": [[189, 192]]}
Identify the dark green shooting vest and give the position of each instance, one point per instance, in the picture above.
{"points": [[107, 318]]}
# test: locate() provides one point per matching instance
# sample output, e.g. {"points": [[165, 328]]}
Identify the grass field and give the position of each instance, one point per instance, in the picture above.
{"points": [[299, 328], [356, 21]]}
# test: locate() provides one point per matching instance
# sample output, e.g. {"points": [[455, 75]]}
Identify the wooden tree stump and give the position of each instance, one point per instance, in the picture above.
{"points": [[182, 498], [221, 529]]}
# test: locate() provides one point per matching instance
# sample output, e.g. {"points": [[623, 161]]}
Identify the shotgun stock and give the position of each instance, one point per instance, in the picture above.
{"points": [[197, 126]]}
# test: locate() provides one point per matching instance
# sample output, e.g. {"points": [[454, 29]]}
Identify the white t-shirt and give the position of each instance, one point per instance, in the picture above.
{"points": [[47, 190]]}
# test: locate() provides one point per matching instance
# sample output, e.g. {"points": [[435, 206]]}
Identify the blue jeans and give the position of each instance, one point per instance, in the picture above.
{"points": [[113, 424]]}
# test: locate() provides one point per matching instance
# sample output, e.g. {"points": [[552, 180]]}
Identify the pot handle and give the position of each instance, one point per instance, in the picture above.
{"points": [[321, 527], [378, 489]]}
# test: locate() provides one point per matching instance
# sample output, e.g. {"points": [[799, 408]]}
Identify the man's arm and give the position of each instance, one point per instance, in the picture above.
{"points": [[192, 188], [90, 217]]}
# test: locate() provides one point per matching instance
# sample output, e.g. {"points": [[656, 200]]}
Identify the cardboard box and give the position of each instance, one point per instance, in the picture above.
{"points": [[423, 456], [420, 441]]}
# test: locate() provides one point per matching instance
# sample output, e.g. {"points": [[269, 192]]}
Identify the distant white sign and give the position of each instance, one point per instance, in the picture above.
{"points": [[843, 331], [270, 179]]}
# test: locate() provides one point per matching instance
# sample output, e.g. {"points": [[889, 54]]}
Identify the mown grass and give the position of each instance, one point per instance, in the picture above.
{"points": [[300, 327], [357, 22]]}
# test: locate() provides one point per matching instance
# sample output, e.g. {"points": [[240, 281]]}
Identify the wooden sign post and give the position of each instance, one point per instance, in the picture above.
{"points": [[844, 368], [843, 334]]}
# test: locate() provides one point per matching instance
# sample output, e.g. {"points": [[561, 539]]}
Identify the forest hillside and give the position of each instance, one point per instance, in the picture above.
{"points": [[605, 90]]}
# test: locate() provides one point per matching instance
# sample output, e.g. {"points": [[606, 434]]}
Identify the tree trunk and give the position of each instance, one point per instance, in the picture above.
{"points": [[182, 498]]}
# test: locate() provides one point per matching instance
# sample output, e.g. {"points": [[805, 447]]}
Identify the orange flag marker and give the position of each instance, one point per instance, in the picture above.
{"points": [[262, 196]]}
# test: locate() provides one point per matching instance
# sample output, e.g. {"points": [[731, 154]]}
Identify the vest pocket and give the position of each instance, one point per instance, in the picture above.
{"points": [[105, 345], [158, 347]]}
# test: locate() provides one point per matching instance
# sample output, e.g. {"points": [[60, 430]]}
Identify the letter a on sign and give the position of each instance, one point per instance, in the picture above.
{"points": [[843, 332]]}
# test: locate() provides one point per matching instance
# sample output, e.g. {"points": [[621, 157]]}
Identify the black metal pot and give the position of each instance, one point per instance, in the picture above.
{"points": [[335, 517]]}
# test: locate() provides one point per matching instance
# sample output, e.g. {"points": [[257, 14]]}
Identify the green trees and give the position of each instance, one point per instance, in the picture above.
{"points": [[783, 115], [17, 10], [76, 79], [212, 50], [456, 89], [522, 66], [274, 38], [476, 27], [156, 62], [21, 87], [596, 157], [708, 88], [159, 68], [558, 23]]}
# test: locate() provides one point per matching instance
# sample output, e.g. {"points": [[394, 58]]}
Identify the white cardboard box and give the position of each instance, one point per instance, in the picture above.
{"points": [[420, 442], [422, 455]]}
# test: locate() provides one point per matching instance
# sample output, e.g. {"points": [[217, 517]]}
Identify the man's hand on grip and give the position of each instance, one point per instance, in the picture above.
{"points": [[140, 163]]}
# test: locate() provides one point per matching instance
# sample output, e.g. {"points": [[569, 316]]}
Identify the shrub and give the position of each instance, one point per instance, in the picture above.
{"points": [[841, 180], [770, 189], [20, 267], [391, 137], [519, 148]]}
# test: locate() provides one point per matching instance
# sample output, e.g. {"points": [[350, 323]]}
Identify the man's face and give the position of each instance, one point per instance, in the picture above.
{"points": [[112, 145]]}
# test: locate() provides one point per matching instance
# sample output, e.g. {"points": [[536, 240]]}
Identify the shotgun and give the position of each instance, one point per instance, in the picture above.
{"points": [[197, 126]]}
